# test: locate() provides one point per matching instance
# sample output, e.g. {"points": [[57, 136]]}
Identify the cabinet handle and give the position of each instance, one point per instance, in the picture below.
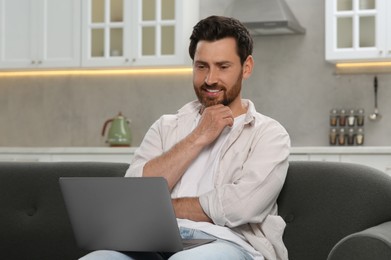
{"points": [[126, 60], [39, 62], [33, 62]]}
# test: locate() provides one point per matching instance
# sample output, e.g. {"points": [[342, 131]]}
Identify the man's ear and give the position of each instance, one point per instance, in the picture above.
{"points": [[248, 67]]}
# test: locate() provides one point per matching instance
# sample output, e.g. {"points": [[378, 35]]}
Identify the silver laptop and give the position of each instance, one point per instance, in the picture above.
{"points": [[123, 214]]}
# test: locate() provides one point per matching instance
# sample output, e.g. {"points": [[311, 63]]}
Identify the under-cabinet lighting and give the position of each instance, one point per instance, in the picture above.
{"points": [[97, 72], [363, 64], [363, 68]]}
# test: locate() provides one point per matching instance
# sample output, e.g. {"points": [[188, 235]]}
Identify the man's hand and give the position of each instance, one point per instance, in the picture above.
{"points": [[213, 121], [174, 163]]}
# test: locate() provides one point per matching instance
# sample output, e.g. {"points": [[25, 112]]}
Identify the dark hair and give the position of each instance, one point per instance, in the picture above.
{"points": [[215, 28]]}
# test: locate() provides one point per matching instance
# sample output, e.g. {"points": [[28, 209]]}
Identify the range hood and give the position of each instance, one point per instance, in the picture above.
{"points": [[266, 17]]}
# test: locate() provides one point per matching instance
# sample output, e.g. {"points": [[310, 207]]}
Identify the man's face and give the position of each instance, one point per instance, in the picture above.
{"points": [[217, 72]]}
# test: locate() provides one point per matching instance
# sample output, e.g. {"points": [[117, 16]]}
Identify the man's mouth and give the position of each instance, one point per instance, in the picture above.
{"points": [[213, 90], [212, 93]]}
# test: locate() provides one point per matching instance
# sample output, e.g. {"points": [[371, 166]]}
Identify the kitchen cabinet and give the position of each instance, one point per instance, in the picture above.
{"points": [[380, 161], [358, 30], [67, 154], [375, 157], [125, 33], [324, 157], [39, 33]]}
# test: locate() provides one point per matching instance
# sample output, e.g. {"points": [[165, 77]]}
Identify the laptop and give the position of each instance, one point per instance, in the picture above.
{"points": [[123, 214]]}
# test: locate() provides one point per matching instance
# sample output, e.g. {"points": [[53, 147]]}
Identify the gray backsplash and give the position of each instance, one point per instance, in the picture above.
{"points": [[292, 83]]}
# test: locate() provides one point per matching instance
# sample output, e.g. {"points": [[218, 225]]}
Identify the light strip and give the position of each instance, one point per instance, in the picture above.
{"points": [[363, 65], [97, 72]]}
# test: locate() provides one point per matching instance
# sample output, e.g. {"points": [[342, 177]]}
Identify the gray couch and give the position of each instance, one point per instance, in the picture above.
{"points": [[333, 211]]}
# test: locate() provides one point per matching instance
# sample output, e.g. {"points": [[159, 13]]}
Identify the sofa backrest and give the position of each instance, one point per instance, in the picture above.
{"points": [[33, 220], [322, 202]]}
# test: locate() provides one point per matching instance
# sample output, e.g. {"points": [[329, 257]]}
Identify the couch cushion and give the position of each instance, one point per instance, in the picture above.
{"points": [[34, 221], [372, 243], [322, 202]]}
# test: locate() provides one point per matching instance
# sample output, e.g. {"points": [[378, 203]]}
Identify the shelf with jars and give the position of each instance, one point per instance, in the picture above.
{"points": [[346, 127]]}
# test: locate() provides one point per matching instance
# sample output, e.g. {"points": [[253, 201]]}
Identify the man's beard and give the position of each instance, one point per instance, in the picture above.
{"points": [[228, 96]]}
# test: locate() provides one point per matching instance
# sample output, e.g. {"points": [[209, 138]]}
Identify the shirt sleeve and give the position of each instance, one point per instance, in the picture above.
{"points": [[251, 195], [150, 147]]}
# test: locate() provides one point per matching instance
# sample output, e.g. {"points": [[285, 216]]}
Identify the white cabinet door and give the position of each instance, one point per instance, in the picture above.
{"points": [[25, 157], [39, 33], [324, 157], [357, 30], [59, 43], [125, 33], [380, 162], [17, 25], [298, 157], [67, 154], [119, 158]]}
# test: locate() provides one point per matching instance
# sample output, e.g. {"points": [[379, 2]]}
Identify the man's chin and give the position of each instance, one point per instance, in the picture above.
{"points": [[209, 103]]}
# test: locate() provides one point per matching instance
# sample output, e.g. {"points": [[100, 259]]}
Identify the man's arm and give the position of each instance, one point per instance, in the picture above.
{"points": [[250, 196], [189, 208], [174, 163]]}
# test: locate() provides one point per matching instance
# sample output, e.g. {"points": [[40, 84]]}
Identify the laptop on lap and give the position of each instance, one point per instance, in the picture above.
{"points": [[123, 214]]}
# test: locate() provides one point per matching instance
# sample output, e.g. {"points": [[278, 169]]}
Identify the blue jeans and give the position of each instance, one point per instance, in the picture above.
{"points": [[219, 249]]}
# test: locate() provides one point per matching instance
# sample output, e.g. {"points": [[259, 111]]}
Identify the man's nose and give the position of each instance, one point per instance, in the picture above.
{"points": [[212, 77]]}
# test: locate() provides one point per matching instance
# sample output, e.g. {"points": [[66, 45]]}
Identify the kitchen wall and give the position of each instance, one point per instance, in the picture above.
{"points": [[291, 83]]}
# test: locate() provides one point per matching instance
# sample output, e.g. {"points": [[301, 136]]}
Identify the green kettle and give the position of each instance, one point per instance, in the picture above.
{"points": [[119, 131]]}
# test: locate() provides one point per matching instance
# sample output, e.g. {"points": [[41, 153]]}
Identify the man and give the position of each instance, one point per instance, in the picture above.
{"points": [[225, 164]]}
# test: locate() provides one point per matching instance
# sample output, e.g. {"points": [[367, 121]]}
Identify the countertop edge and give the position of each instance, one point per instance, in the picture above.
{"points": [[341, 150], [131, 150], [67, 150]]}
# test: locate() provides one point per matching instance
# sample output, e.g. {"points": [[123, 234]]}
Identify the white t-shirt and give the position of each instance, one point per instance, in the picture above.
{"points": [[198, 179]]}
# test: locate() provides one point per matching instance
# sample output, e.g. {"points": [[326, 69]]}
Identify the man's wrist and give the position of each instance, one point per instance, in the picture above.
{"points": [[196, 141], [189, 208]]}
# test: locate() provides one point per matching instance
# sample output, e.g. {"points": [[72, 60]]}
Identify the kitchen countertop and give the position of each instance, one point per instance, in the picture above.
{"points": [[131, 150], [341, 150], [67, 150]]}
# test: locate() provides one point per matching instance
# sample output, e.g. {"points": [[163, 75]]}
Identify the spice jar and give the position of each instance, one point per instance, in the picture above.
{"points": [[333, 117], [333, 136], [350, 136], [360, 136], [341, 137], [360, 117], [342, 117], [351, 117]]}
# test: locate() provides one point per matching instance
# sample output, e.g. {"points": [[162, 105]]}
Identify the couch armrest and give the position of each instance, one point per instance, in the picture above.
{"points": [[372, 243]]}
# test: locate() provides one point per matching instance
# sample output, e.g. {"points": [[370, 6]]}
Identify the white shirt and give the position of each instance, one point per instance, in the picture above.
{"points": [[198, 179], [251, 172]]}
